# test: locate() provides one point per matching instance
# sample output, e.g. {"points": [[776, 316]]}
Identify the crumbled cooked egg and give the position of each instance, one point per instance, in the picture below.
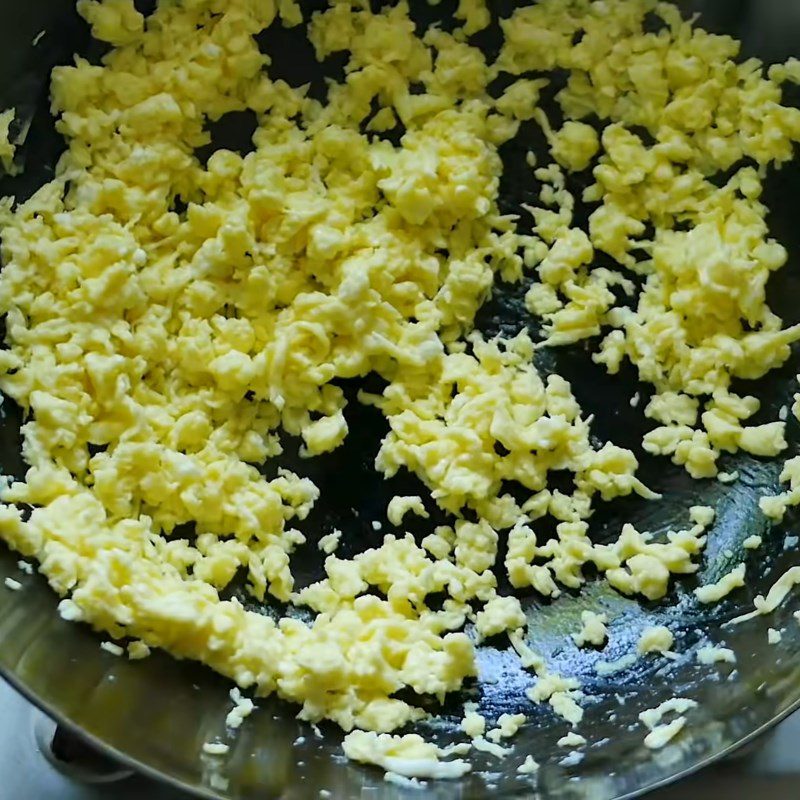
{"points": [[702, 515], [714, 592], [216, 748], [401, 780], [773, 636], [243, 707], [529, 766], [111, 647], [409, 755], [752, 542], [138, 650], [566, 706], [593, 630], [709, 654], [498, 615], [167, 319], [330, 542], [775, 507], [399, 506], [492, 748], [562, 693], [473, 724], [571, 739], [678, 705], [701, 318], [574, 145], [13, 584], [606, 668], [662, 733], [529, 659], [7, 147], [655, 639], [778, 592], [507, 726]]}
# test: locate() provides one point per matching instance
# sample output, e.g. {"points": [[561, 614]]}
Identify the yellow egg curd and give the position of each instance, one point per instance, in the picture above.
{"points": [[166, 318]]}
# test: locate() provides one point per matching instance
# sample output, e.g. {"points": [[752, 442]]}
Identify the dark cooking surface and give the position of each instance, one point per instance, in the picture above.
{"points": [[159, 712]]}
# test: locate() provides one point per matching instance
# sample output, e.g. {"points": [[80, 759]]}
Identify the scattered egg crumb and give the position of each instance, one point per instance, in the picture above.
{"points": [[773, 636], [678, 705], [655, 639], [329, 543], [112, 648], [399, 506], [714, 592], [562, 693], [7, 147], [774, 507], [500, 614], [216, 748], [752, 542], [593, 630], [13, 584], [402, 780], [138, 650], [710, 654], [243, 707], [606, 668], [492, 748], [662, 733], [473, 724], [529, 766], [702, 515], [409, 755], [507, 726], [778, 592], [571, 739]]}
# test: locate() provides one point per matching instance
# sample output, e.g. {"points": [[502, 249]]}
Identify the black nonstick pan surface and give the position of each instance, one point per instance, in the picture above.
{"points": [[157, 714]]}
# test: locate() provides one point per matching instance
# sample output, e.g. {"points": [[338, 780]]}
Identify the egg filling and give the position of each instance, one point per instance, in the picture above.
{"points": [[167, 316]]}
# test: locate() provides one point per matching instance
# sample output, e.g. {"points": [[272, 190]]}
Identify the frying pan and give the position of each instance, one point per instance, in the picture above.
{"points": [[156, 714]]}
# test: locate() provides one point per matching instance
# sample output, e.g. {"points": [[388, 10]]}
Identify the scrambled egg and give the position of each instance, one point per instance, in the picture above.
{"points": [[663, 732], [714, 592], [593, 629], [7, 147], [655, 639], [166, 319], [409, 755], [709, 654], [775, 507], [473, 724], [701, 319]]}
